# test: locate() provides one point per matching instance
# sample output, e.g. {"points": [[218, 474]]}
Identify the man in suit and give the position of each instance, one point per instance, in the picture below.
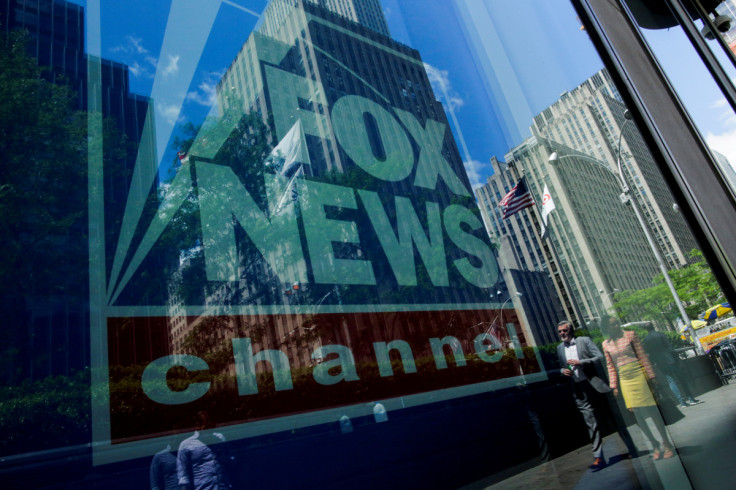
{"points": [[582, 363]]}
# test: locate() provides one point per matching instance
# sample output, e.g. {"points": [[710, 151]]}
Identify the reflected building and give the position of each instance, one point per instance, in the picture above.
{"points": [[597, 240], [306, 59], [590, 119], [726, 168], [367, 13], [600, 251], [540, 303], [58, 314]]}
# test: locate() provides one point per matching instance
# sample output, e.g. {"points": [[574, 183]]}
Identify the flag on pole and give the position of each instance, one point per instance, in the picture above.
{"points": [[285, 170], [289, 153], [291, 193], [517, 199], [548, 205]]}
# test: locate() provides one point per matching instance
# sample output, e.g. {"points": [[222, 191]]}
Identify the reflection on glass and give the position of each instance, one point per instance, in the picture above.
{"points": [[581, 364], [203, 460], [346, 425], [163, 473], [629, 370], [706, 103], [315, 243], [248, 219]]}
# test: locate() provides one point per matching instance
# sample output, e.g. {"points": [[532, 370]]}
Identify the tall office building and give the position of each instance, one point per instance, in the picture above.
{"points": [[726, 168], [540, 303], [367, 13], [590, 119], [59, 323], [56, 31], [595, 245], [355, 92]]}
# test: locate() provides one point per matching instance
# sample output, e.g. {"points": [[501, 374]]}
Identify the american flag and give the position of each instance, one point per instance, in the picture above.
{"points": [[517, 199]]}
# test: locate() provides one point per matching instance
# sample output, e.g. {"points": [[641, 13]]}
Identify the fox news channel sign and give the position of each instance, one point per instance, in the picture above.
{"points": [[289, 291]]}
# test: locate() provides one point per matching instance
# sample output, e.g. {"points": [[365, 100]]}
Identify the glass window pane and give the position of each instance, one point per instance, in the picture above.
{"points": [[312, 243]]}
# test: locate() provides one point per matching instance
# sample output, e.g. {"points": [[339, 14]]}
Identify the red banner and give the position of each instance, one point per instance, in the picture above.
{"points": [[165, 370]]}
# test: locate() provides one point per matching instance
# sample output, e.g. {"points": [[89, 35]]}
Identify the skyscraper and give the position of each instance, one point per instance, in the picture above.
{"points": [[595, 244], [307, 61], [590, 119], [59, 323], [367, 13]]}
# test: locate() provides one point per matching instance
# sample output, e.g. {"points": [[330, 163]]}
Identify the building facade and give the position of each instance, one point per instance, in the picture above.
{"points": [[367, 13], [54, 33], [311, 299], [589, 222], [590, 119]]}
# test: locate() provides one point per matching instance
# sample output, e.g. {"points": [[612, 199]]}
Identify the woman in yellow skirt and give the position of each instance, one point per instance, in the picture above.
{"points": [[628, 370]]}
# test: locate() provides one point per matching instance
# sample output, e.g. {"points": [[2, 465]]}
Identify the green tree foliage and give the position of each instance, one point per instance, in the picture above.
{"points": [[44, 269], [43, 179], [42, 173], [244, 151], [695, 284], [47, 413]]}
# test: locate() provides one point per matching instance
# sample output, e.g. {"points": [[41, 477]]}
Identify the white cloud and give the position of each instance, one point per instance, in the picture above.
{"points": [[137, 44], [172, 68], [132, 45], [135, 69], [443, 88], [725, 141], [726, 115], [206, 93], [130, 53], [169, 112], [476, 171], [719, 103]]}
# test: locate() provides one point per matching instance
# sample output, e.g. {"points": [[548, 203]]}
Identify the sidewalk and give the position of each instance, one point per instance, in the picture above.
{"points": [[706, 444]]}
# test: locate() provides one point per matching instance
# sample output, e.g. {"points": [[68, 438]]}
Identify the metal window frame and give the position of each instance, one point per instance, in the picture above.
{"points": [[702, 192]]}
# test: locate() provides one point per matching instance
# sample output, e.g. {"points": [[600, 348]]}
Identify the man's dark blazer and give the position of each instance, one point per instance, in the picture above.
{"points": [[591, 361]]}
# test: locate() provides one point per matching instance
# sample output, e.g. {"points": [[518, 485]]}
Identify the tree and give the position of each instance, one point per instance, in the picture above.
{"points": [[44, 284], [42, 199], [245, 151], [695, 285]]}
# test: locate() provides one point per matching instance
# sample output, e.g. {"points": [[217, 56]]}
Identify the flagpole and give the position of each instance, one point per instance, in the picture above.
{"points": [[573, 302]]}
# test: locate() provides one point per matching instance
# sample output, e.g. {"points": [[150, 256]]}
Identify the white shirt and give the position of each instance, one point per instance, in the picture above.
{"points": [[571, 352]]}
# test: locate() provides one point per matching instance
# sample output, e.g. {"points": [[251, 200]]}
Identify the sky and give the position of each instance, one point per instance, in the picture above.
{"points": [[493, 64], [702, 98]]}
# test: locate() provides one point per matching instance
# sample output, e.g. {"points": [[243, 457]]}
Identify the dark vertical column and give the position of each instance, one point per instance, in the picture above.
{"points": [[703, 194]]}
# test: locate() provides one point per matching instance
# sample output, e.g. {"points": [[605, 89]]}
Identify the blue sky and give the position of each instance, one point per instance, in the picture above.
{"points": [[700, 94], [500, 62], [493, 64]]}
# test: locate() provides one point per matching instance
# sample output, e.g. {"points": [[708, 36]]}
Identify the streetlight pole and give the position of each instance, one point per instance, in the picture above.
{"points": [[628, 196], [602, 292]]}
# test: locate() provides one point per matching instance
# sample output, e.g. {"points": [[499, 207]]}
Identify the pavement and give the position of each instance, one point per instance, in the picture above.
{"points": [[705, 439]]}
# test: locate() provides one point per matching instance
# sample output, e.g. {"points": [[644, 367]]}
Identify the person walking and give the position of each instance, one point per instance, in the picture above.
{"points": [[628, 370], [667, 363], [582, 363]]}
